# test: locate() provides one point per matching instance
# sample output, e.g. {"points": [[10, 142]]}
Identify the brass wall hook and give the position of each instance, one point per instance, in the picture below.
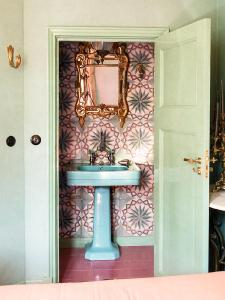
{"points": [[18, 60]]}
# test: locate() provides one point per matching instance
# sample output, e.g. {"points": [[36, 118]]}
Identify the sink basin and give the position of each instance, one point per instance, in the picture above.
{"points": [[96, 168], [102, 177]]}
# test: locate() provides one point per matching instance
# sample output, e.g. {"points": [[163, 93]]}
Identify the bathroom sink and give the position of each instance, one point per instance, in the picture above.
{"points": [[96, 168], [103, 175]]}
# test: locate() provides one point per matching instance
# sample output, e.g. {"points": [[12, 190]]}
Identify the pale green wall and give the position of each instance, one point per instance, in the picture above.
{"points": [[221, 30], [12, 245], [38, 16]]}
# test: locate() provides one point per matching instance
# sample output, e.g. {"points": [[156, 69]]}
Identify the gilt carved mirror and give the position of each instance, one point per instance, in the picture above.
{"points": [[101, 86]]}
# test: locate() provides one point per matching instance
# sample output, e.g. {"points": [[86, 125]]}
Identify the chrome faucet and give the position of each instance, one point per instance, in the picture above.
{"points": [[92, 157], [111, 157], [102, 145], [110, 153]]}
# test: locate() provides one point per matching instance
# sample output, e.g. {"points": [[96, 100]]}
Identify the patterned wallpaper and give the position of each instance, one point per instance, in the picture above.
{"points": [[132, 206]]}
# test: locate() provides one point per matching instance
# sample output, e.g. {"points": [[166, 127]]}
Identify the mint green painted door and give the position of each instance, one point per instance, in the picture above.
{"points": [[182, 131]]}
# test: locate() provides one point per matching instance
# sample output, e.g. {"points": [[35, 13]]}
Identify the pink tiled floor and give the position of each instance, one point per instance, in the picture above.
{"points": [[134, 262]]}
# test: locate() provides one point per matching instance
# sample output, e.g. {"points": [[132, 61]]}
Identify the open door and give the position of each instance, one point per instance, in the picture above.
{"points": [[181, 150]]}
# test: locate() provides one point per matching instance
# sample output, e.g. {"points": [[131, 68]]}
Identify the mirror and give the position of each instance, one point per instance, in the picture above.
{"points": [[101, 86], [106, 80]]}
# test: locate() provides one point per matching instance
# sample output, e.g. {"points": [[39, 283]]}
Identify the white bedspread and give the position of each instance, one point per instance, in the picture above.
{"points": [[186, 287]]}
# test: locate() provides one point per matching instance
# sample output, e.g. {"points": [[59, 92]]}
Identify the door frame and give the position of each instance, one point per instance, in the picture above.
{"points": [[56, 35]]}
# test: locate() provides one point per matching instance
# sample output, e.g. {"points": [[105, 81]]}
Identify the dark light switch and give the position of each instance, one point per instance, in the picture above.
{"points": [[10, 141]]}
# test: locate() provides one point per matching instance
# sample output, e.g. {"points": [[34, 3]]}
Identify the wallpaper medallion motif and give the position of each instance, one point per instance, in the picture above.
{"points": [[132, 206]]}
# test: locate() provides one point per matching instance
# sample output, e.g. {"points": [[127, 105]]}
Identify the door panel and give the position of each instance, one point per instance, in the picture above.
{"points": [[176, 90], [182, 131]]}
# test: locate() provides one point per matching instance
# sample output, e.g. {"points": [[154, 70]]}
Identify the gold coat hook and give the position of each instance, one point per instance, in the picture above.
{"points": [[17, 63]]}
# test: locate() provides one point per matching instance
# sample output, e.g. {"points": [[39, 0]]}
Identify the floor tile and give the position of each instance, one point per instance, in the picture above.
{"points": [[134, 262]]}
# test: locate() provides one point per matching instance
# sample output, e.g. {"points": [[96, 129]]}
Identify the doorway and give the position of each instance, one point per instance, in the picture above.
{"points": [[56, 35], [132, 206], [174, 71]]}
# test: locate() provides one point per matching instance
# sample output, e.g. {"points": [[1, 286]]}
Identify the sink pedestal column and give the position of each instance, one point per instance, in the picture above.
{"points": [[102, 248]]}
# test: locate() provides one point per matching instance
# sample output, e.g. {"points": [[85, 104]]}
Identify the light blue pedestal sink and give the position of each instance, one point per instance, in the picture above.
{"points": [[102, 178]]}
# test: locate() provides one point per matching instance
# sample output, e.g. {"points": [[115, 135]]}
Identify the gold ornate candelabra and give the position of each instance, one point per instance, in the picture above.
{"points": [[218, 144]]}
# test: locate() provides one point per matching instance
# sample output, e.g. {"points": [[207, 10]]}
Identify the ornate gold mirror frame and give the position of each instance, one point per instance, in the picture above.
{"points": [[86, 60]]}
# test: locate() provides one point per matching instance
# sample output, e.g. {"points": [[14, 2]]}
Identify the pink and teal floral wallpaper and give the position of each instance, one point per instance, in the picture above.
{"points": [[132, 206]]}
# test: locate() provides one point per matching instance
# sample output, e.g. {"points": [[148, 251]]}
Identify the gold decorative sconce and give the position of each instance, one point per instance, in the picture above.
{"points": [[18, 60], [140, 70]]}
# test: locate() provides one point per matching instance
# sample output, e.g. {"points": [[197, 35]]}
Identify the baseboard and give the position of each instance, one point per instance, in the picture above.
{"points": [[121, 241], [39, 281], [135, 240]]}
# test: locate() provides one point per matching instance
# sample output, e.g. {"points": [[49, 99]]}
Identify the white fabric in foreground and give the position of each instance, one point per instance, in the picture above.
{"points": [[186, 287]]}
